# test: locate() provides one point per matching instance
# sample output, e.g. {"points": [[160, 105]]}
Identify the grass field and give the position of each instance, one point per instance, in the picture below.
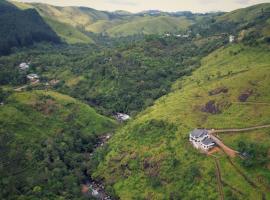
{"points": [[159, 161]]}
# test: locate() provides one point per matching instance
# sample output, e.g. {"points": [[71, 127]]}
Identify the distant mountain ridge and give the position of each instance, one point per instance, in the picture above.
{"points": [[113, 24], [22, 28]]}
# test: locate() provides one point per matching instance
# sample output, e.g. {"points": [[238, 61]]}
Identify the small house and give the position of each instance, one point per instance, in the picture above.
{"points": [[32, 77], [201, 139], [23, 66], [122, 117], [231, 38]]}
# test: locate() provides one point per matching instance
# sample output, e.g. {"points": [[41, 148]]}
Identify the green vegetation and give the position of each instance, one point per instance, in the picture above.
{"points": [[126, 78], [170, 84], [239, 68], [22, 28], [80, 21], [45, 141]]}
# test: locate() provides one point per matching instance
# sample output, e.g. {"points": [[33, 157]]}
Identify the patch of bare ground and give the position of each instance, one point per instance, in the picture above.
{"points": [[245, 95], [214, 107], [213, 150], [218, 91], [211, 107], [47, 107]]}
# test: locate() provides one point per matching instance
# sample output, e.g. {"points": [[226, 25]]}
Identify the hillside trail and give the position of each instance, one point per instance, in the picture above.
{"points": [[240, 129], [229, 151], [219, 179]]}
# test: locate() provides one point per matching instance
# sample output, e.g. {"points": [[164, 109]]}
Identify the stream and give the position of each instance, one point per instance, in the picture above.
{"points": [[90, 187]]}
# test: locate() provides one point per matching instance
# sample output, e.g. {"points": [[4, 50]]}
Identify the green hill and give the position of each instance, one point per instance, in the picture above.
{"points": [[151, 25], [22, 28], [45, 141], [151, 158], [246, 24]]}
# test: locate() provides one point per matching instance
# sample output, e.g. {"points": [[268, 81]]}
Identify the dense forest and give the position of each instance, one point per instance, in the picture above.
{"points": [[126, 78], [45, 142]]}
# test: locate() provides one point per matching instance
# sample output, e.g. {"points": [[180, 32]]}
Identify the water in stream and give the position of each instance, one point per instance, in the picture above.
{"points": [[92, 188]]}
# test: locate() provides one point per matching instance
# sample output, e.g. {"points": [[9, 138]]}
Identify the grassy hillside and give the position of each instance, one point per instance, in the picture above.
{"points": [[62, 20], [45, 141], [151, 158], [22, 28], [151, 25], [250, 24]]}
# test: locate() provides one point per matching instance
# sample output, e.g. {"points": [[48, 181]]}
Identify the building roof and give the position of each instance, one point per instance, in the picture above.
{"points": [[208, 141], [32, 76], [122, 116], [197, 133]]}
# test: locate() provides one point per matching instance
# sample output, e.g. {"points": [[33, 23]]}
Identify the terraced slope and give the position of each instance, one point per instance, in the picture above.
{"points": [[152, 158]]}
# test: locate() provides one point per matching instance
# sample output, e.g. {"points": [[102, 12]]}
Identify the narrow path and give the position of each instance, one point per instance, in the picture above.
{"points": [[250, 182], [247, 179], [240, 129], [230, 152], [252, 103], [218, 175], [232, 188]]}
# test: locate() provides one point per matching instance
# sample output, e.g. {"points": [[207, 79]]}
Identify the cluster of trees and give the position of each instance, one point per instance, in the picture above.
{"points": [[117, 77], [51, 162], [48, 169], [255, 155], [22, 28]]}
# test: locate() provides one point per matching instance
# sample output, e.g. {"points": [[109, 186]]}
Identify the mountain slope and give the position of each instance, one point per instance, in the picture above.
{"points": [[152, 158], [151, 25], [45, 141], [249, 24], [22, 28]]}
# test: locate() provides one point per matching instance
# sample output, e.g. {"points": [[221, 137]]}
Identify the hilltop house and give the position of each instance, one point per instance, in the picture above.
{"points": [[201, 139]]}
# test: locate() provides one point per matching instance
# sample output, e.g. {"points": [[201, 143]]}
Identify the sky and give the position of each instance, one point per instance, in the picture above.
{"points": [[164, 5]]}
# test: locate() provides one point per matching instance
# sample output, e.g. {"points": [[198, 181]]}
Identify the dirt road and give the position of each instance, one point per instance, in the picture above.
{"points": [[240, 129], [219, 181]]}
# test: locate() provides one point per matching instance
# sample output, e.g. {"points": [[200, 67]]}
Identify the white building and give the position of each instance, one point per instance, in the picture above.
{"points": [[24, 66], [122, 117], [201, 139], [231, 38]]}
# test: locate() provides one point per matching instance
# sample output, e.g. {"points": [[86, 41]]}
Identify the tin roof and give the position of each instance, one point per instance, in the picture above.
{"points": [[197, 133]]}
